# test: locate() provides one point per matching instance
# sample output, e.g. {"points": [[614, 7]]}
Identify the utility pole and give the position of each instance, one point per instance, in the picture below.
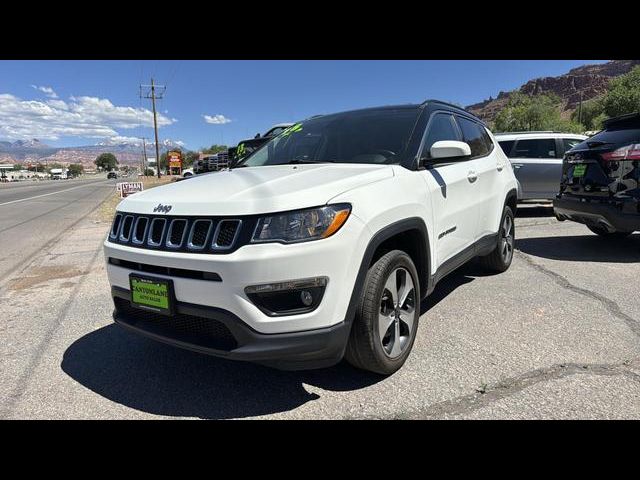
{"points": [[144, 157], [580, 109], [155, 92]]}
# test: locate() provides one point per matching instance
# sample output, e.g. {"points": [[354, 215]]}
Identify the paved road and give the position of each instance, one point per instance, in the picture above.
{"points": [[557, 336], [34, 214]]}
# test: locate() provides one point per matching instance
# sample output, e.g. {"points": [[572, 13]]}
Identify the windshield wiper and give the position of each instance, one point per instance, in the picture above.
{"points": [[298, 162]]}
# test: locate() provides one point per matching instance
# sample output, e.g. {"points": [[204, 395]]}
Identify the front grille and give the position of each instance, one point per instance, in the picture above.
{"points": [[200, 331], [183, 234]]}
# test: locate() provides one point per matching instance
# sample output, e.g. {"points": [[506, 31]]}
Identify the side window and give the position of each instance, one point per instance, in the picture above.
{"points": [[536, 148], [441, 127], [569, 143], [506, 146], [474, 135]]}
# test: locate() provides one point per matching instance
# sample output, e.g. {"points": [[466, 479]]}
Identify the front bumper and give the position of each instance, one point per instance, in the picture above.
{"points": [[622, 217], [218, 332]]}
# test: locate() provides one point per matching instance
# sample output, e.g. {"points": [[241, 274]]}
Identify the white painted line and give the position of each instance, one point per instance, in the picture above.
{"points": [[46, 194]]}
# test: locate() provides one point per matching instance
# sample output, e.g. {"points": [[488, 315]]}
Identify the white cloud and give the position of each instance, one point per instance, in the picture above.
{"points": [[216, 119], [80, 116], [48, 91]]}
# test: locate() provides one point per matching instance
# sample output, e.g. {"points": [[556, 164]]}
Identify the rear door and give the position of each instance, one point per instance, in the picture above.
{"points": [[489, 166], [537, 164], [451, 189]]}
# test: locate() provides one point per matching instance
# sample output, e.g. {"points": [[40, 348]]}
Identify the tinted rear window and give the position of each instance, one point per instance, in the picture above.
{"points": [[506, 146], [613, 137]]}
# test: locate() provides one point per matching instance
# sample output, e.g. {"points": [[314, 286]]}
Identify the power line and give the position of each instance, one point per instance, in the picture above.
{"points": [[154, 92]]}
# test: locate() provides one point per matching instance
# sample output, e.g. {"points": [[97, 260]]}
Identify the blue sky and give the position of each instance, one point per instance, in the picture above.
{"points": [[71, 103]]}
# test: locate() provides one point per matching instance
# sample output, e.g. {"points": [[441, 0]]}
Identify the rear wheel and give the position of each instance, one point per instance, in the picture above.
{"points": [[603, 232], [386, 321], [500, 258]]}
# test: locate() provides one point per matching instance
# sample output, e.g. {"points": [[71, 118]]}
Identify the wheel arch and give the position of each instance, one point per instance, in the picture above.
{"points": [[407, 234]]}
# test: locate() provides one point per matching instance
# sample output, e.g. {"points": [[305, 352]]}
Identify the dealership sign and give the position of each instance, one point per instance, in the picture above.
{"points": [[127, 188], [175, 159]]}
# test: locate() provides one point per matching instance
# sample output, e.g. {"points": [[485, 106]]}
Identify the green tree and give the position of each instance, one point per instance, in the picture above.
{"points": [[215, 149], [538, 112], [106, 161], [149, 173], [592, 114], [624, 94], [17, 166], [76, 169]]}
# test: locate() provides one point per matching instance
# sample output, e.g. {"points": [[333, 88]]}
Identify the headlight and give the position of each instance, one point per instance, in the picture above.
{"points": [[301, 225]]}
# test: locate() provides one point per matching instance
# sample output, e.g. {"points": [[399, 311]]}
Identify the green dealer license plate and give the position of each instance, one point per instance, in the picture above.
{"points": [[152, 294], [579, 170]]}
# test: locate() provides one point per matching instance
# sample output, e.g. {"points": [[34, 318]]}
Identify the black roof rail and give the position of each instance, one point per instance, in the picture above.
{"points": [[530, 131], [433, 100], [621, 119]]}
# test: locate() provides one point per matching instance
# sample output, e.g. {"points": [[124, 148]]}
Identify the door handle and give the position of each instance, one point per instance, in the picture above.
{"points": [[517, 165], [472, 176]]}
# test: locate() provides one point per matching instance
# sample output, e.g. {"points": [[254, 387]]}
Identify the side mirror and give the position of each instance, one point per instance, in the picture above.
{"points": [[449, 149]]}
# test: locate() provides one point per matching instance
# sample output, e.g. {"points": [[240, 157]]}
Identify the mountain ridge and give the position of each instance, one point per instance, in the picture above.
{"points": [[584, 82]]}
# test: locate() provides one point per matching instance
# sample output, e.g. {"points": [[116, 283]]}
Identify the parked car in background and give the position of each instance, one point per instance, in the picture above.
{"points": [[247, 147], [112, 175], [188, 172], [536, 158], [600, 183]]}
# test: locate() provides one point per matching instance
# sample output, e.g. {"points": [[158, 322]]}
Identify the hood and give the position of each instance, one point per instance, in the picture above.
{"points": [[256, 190]]}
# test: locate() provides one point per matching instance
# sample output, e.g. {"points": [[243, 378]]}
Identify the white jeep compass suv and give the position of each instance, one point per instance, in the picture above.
{"points": [[321, 244]]}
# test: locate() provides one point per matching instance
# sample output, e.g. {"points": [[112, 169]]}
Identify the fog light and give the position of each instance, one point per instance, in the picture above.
{"points": [[306, 297], [288, 298]]}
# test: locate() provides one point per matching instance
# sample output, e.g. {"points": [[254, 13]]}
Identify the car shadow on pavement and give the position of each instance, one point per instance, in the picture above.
{"points": [[583, 248], [162, 380]]}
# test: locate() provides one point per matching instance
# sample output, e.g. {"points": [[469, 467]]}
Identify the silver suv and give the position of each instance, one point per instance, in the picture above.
{"points": [[536, 158]]}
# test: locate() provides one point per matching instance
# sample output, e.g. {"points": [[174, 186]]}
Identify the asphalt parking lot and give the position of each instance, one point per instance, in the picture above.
{"points": [[556, 336]]}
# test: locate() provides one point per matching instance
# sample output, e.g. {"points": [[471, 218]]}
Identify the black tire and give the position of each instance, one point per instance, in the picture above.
{"points": [[365, 349], [604, 233], [500, 258]]}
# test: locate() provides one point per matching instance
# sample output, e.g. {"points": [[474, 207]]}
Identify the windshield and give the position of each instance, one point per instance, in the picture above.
{"points": [[366, 136]]}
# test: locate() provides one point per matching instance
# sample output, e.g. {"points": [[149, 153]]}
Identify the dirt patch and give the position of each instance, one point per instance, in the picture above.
{"points": [[38, 275]]}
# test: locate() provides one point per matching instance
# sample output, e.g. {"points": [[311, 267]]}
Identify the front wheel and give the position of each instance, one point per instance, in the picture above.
{"points": [[386, 321], [603, 232], [500, 258]]}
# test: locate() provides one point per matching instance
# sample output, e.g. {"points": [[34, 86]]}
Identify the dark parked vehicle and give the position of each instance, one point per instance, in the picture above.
{"points": [[600, 183], [247, 147], [112, 175]]}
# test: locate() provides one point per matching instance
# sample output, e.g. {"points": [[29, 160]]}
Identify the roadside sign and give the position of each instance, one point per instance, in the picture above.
{"points": [[127, 188]]}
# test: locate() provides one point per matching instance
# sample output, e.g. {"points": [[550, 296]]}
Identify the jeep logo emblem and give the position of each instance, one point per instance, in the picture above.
{"points": [[162, 208]]}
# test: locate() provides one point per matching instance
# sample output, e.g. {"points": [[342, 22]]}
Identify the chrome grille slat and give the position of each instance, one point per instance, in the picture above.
{"points": [[226, 234], [198, 234], [177, 228], [137, 237], [125, 230], [115, 227], [154, 240]]}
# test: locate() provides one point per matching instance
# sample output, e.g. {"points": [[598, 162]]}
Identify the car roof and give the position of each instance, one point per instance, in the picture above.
{"points": [[503, 136], [632, 119], [448, 106]]}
